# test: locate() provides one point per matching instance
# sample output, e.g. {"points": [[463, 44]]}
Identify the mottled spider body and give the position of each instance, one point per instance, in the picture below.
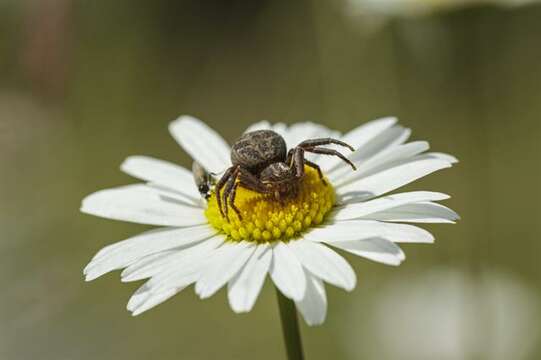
{"points": [[261, 163], [258, 149]]}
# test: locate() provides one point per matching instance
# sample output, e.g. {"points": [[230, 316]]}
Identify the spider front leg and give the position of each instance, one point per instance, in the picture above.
{"points": [[295, 159], [227, 191], [246, 180], [221, 183], [232, 196], [324, 151], [312, 143], [317, 168]]}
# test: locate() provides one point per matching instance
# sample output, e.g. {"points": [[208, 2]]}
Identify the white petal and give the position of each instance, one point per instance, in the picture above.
{"points": [[395, 153], [360, 136], [386, 140], [123, 253], [381, 161], [298, 132], [141, 204], [376, 249], [302, 131], [423, 212], [175, 265], [367, 131], [162, 173], [283, 130], [177, 197], [151, 300], [364, 229], [261, 125], [446, 157], [324, 263], [361, 209], [286, 272], [225, 263], [391, 178], [186, 277], [244, 288], [202, 143], [155, 240], [155, 299], [313, 306], [149, 265], [138, 297]]}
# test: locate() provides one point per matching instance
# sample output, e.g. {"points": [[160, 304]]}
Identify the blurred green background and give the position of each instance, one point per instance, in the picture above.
{"points": [[84, 84]]}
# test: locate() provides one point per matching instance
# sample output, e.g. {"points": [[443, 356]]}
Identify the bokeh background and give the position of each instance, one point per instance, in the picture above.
{"points": [[84, 84]]}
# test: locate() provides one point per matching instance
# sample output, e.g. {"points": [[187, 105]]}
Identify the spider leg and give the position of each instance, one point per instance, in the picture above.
{"points": [[232, 196], [311, 143], [332, 152], [317, 168], [251, 182], [290, 156], [221, 184], [298, 161], [228, 188]]}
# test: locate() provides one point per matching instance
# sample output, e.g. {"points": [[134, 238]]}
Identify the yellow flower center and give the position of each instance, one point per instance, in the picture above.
{"points": [[265, 219]]}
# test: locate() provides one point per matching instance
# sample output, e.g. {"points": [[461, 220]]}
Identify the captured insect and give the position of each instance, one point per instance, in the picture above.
{"points": [[203, 179], [261, 163]]}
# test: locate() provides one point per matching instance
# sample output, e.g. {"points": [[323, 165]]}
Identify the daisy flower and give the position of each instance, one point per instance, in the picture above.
{"points": [[292, 241]]}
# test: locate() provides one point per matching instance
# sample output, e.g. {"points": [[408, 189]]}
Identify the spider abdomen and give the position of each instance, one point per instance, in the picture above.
{"points": [[258, 149]]}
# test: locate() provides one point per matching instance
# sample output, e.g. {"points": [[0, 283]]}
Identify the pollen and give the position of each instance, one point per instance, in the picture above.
{"points": [[265, 219]]}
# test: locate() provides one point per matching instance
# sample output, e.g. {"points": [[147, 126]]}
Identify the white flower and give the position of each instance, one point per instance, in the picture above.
{"points": [[291, 241]]}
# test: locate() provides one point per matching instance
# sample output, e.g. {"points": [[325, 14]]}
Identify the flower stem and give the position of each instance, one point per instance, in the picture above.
{"points": [[290, 327]]}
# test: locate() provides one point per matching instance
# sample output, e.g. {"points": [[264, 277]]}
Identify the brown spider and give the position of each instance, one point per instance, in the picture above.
{"points": [[261, 163]]}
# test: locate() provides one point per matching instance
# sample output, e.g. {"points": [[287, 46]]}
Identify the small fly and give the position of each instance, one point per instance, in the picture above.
{"points": [[203, 179]]}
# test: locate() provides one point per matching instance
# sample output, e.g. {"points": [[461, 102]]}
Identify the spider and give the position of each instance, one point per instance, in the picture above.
{"points": [[261, 163]]}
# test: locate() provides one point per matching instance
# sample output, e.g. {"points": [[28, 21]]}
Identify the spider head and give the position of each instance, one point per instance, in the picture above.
{"points": [[280, 179]]}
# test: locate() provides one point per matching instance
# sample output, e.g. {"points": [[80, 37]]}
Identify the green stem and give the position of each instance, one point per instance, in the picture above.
{"points": [[290, 327]]}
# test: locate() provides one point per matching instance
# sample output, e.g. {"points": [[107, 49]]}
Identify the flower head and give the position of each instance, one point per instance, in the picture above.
{"points": [[290, 239], [264, 220]]}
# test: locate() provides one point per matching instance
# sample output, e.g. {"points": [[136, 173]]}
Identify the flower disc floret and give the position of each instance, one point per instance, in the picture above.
{"points": [[265, 219]]}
